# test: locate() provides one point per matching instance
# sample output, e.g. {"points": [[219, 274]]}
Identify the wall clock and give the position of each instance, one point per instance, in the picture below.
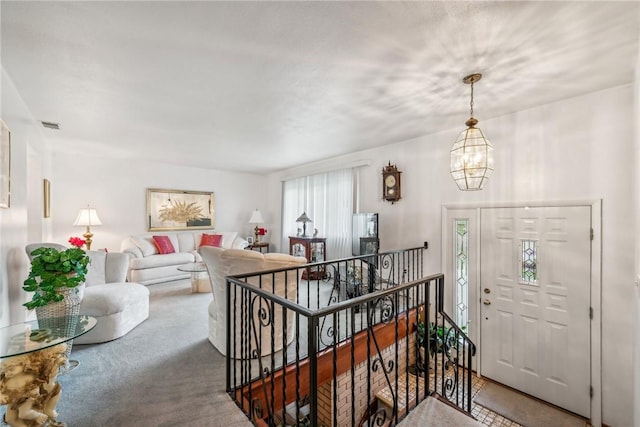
{"points": [[391, 183]]}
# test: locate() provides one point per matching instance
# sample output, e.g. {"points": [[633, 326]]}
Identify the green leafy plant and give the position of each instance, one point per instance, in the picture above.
{"points": [[442, 339], [53, 270]]}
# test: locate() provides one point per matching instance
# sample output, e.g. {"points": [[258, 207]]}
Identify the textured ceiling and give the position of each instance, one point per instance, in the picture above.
{"points": [[262, 86]]}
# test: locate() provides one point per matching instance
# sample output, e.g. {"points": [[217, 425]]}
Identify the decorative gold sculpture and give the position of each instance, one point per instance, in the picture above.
{"points": [[29, 389]]}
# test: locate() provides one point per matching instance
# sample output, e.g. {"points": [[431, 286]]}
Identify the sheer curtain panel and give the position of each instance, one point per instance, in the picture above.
{"points": [[327, 198]]}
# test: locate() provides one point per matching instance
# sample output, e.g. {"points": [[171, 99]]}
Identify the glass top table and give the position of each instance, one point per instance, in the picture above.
{"points": [[27, 337], [31, 355], [198, 284], [193, 267]]}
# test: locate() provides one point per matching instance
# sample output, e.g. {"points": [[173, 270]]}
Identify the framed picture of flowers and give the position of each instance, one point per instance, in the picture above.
{"points": [[5, 165], [179, 210]]}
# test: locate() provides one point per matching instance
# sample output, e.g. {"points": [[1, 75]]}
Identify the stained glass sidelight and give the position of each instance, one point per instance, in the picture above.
{"points": [[462, 271], [529, 271]]}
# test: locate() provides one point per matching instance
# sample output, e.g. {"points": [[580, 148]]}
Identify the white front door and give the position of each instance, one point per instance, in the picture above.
{"points": [[535, 285]]}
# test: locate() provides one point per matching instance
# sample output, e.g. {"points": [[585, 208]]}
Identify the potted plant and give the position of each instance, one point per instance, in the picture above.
{"points": [[443, 341], [56, 278], [54, 273]]}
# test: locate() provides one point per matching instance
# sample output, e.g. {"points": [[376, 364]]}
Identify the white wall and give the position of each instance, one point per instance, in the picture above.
{"points": [[577, 149], [117, 189], [24, 217]]}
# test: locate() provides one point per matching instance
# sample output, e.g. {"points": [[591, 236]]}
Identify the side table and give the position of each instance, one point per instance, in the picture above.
{"points": [[199, 281], [30, 359], [259, 247]]}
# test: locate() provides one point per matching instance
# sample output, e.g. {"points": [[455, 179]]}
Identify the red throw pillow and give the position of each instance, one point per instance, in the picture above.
{"points": [[211, 240], [163, 244]]}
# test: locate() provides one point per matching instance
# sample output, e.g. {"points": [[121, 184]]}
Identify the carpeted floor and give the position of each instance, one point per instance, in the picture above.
{"points": [[163, 373], [433, 413]]}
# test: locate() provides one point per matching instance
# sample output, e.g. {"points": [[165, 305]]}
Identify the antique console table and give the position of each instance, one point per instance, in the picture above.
{"points": [[314, 250], [31, 355]]}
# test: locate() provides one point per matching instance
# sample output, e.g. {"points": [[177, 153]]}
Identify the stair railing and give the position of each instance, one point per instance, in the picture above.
{"points": [[331, 358]]}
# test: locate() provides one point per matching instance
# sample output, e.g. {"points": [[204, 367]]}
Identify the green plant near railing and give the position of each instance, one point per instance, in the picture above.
{"points": [[53, 270], [442, 339]]}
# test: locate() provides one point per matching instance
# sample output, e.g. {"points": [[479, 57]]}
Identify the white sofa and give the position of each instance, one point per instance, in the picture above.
{"points": [[147, 266], [221, 263]]}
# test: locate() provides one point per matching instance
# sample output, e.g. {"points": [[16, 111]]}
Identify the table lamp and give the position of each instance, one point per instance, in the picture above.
{"points": [[304, 219], [256, 218], [87, 217]]}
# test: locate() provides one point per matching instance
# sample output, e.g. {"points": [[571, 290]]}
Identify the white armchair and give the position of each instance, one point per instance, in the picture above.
{"points": [[117, 305], [227, 262]]}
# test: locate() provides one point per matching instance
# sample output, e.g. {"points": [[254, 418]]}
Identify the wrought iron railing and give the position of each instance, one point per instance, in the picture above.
{"points": [[345, 347]]}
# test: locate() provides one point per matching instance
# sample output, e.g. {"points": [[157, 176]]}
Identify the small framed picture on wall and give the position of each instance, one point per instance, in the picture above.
{"points": [[46, 190]]}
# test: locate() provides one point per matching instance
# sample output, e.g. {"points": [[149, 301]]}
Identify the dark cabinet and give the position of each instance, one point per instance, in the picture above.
{"points": [[314, 249]]}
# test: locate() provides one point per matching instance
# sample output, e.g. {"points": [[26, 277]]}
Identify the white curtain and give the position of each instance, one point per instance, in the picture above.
{"points": [[327, 198]]}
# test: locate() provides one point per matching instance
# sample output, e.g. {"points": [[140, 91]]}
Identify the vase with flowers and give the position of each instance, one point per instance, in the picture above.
{"points": [[260, 233], [57, 280]]}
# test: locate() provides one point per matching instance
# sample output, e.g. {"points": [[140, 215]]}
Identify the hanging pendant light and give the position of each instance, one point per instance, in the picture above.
{"points": [[472, 153]]}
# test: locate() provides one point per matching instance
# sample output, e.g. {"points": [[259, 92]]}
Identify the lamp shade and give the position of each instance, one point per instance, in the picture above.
{"points": [[471, 159], [87, 217], [304, 218], [256, 217]]}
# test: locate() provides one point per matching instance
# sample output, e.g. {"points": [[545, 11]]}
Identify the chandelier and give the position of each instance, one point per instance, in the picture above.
{"points": [[472, 153]]}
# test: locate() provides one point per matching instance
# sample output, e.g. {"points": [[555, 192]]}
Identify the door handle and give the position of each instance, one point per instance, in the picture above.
{"points": [[487, 302], [487, 290]]}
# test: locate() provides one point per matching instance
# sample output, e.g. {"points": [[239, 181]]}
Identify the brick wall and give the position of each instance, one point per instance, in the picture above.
{"points": [[343, 383]]}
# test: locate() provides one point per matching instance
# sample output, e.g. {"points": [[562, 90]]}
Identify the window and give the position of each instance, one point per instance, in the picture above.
{"points": [[529, 262], [461, 235], [327, 198]]}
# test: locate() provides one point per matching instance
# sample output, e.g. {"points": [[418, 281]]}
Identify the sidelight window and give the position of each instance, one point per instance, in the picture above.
{"points": [[462, 271], [529, 262]]}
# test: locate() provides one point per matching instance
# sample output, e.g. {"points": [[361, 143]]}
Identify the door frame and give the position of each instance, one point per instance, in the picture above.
{"points": [[596, 282]]}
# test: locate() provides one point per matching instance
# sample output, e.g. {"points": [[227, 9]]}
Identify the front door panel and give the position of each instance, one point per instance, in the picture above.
{"points": [[535, 325]]}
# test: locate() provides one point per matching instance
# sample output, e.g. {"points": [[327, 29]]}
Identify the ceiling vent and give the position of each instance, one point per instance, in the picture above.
{"points": [[51, 125]]}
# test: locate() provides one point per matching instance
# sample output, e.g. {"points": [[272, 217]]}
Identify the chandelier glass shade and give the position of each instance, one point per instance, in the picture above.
{"points": [[472, 154], [471, 159]]}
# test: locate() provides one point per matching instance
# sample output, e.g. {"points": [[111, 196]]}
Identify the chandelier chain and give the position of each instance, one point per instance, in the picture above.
{"points": [[471, 103]]}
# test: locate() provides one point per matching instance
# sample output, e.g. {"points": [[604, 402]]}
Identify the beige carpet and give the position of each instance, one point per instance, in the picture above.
{"points": [[522, 409], [432, 412]]}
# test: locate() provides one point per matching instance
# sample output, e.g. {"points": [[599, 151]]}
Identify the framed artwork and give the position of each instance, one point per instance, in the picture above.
{"points": [[5, 165], [179, 210], [46, 190]]}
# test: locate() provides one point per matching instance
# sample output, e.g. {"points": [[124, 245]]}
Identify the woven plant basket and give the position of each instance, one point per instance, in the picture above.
{"points": [[62, 317]]}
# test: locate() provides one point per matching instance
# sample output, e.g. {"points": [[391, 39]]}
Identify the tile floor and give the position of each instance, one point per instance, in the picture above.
{"points": [[484, 415]]}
